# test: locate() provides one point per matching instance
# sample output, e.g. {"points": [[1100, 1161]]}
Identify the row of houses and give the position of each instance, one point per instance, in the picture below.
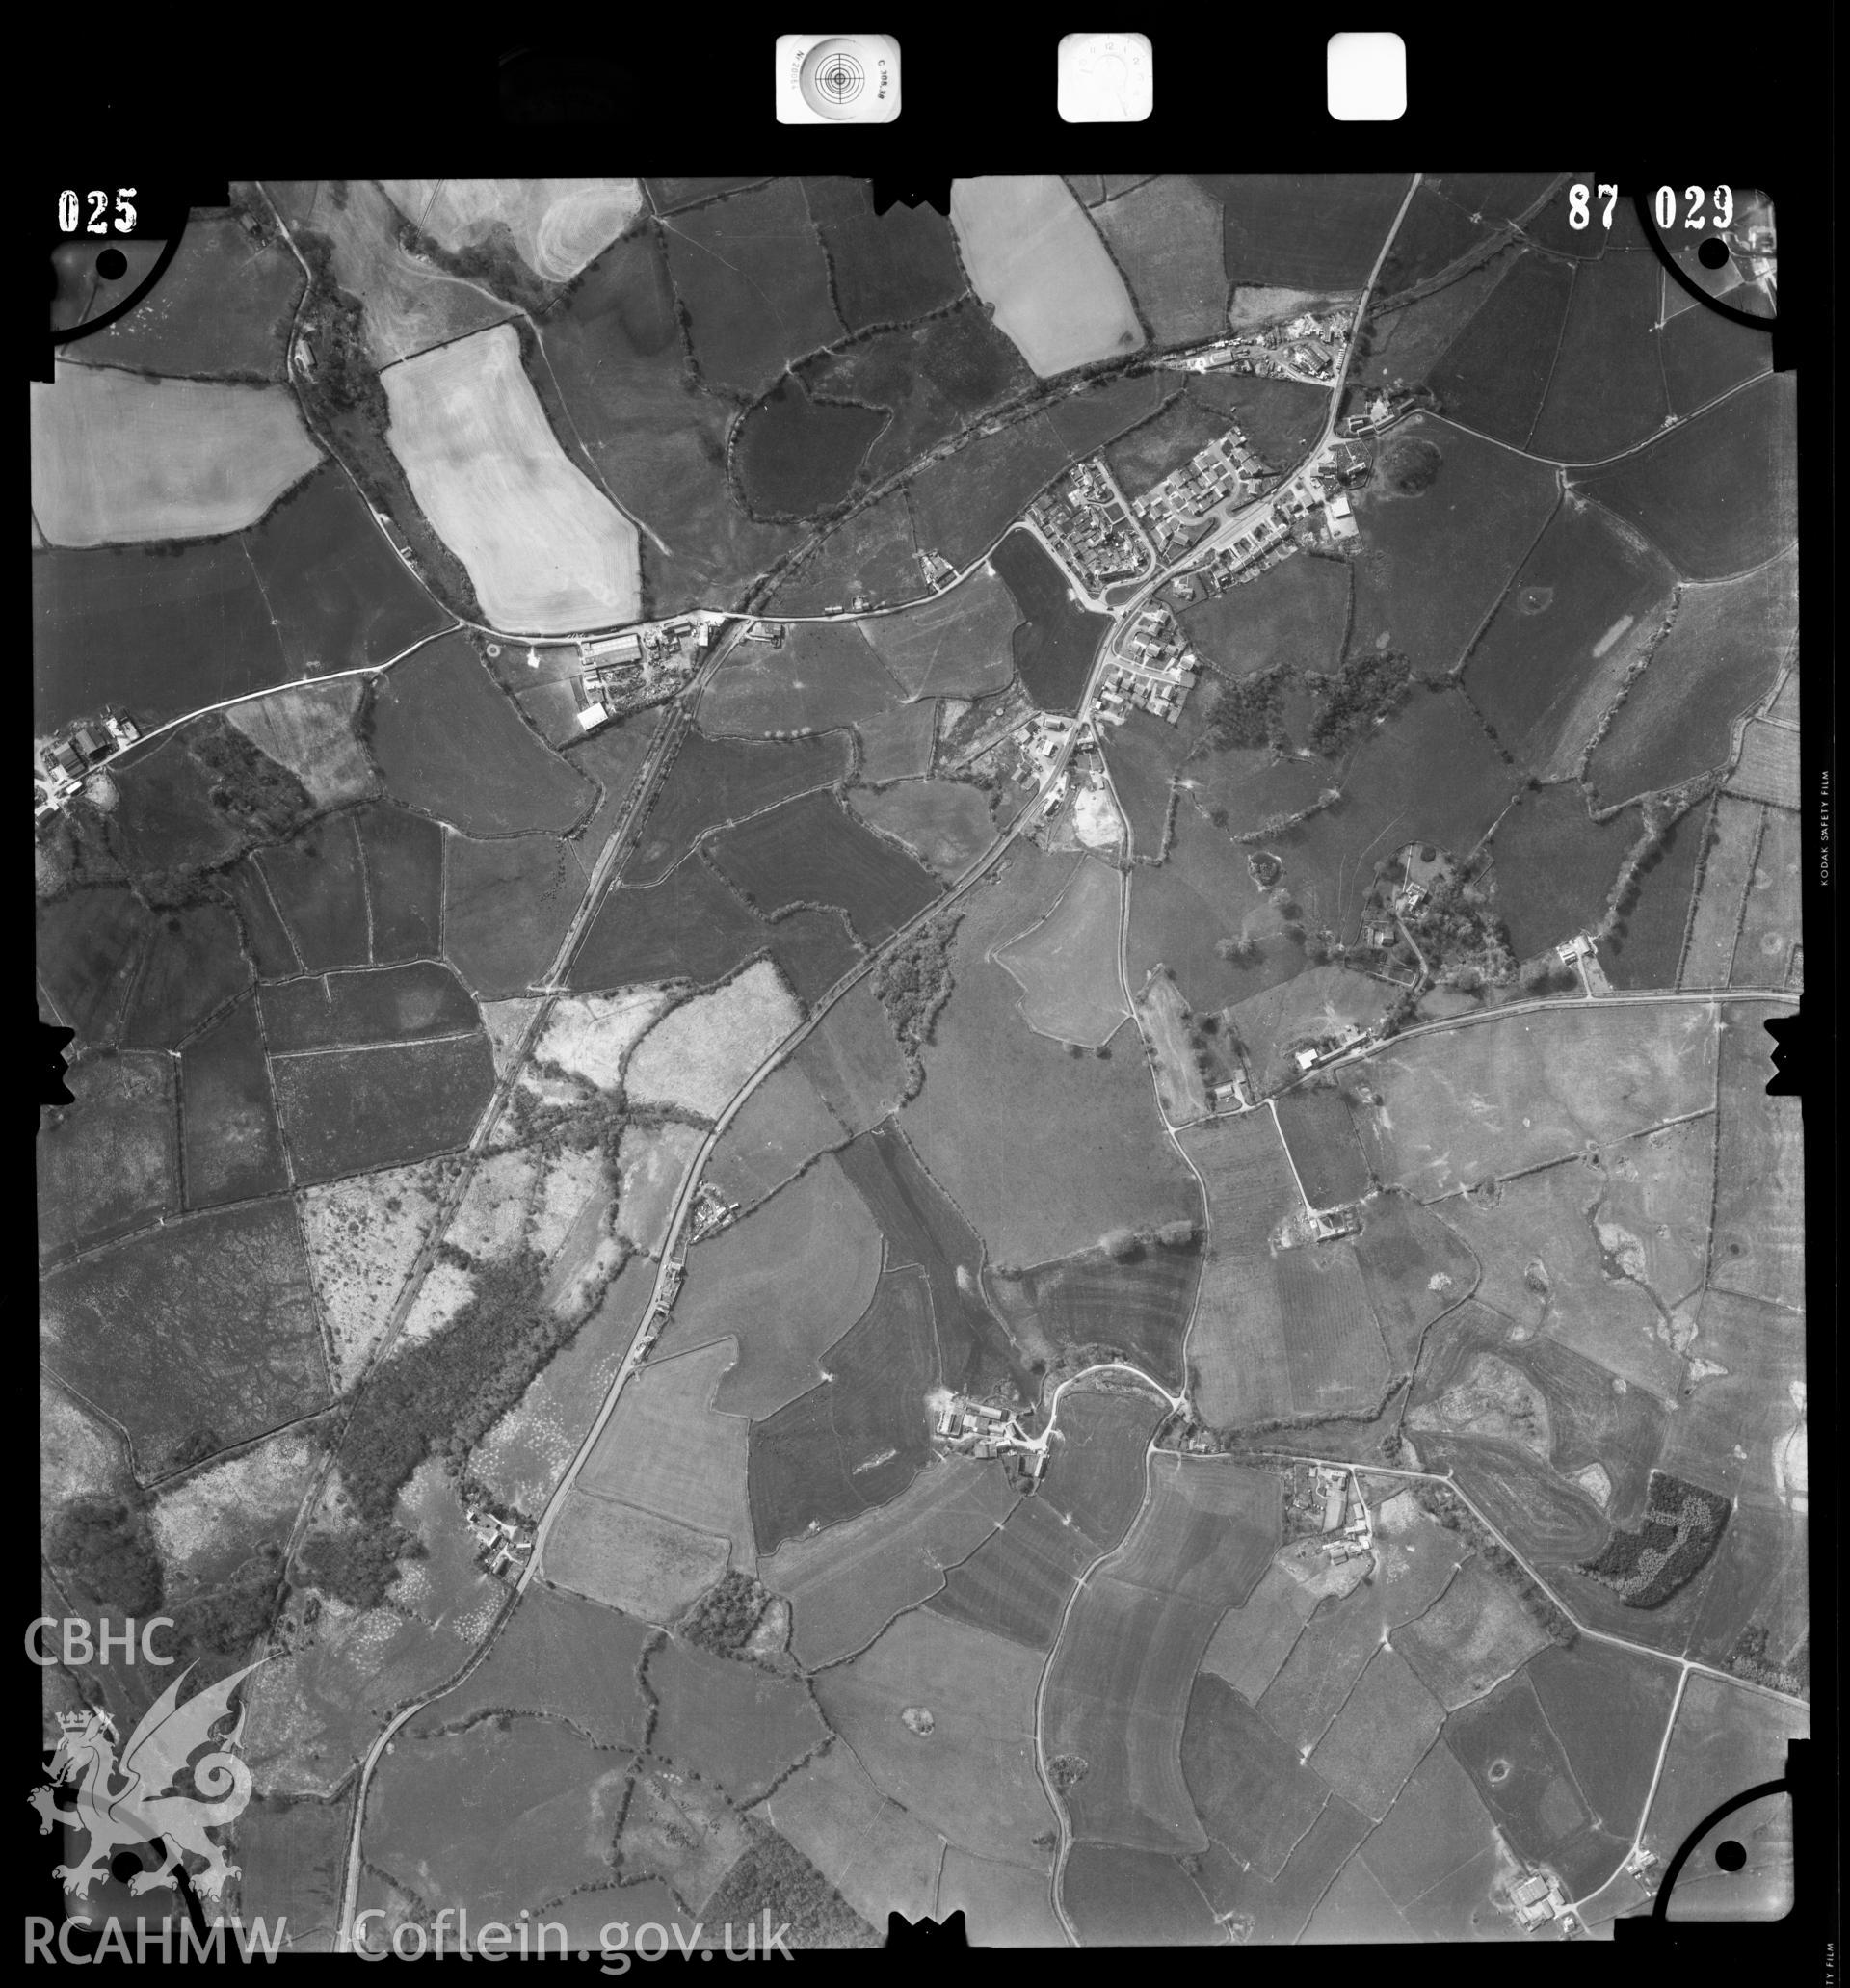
{"points": [[1172, 509], [1085, 522], [1155, 671]]}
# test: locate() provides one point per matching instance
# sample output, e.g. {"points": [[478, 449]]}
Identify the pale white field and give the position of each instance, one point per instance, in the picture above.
{"points": [[547, 552], [700, 1054], [117, 457], [557, 224], [590, 1035], [1032, 254], [309, 729]]}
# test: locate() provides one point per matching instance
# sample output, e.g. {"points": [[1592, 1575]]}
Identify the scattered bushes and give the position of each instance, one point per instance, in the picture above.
{"points": [[1362, 690]]}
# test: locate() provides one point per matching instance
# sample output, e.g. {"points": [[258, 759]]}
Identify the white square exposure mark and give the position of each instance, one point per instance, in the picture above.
{"points": [[1106, 79], [1368, 78]]}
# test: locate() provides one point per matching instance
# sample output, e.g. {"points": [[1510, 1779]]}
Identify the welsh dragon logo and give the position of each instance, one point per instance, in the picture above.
{"points": [[120, 1803]]}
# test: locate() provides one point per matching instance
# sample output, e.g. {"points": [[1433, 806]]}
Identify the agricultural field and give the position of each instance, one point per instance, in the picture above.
{"points": [[1720, 656], [1646, 946], [666, 1449], [627, 1559], [1133, 1299], [222, 1340], [785, 1282], [1118, 1688], [941, 1717], [349, 1111], [231, 1148], [1319, 1132], [1606, 392], [450, 744], [1769, 936], [812, 851], [944, 823], [1445, 518], [545, 549], [159, 634], [871, 560], [730, 1722], [752, 276], [1166, 236], [701, 1052], [858, 1439], [507, 905], [716, 783], [898, 743], [1270, 1024], [1500, 1098], [1318, 233], [782, 1127], [1068, 966], [854, 1061], [187, 458], [1143, 754], [1535, 673], [1760, 1171], [1236, 1345], [964, 503], [310, 731], [391, 1004], [1731, 839], [1057, 641], [958, 643], [1707, 355], [846, 1584], [614, 349], [1716, 495], [824, 674], [1767, 765], [1329, 860], [797, 456], [1035, 259], [191, 969], [888, 268], [995, 1096], [1203, 917], [1494, 374], [652, 1164], [109, 1164], [1120, 1897], [1295, 613], [1556, 867]]}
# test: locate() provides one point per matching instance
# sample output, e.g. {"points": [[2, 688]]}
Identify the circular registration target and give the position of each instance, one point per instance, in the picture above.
{"points": [[1720, 244], [833, 78], [112, 237]]}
